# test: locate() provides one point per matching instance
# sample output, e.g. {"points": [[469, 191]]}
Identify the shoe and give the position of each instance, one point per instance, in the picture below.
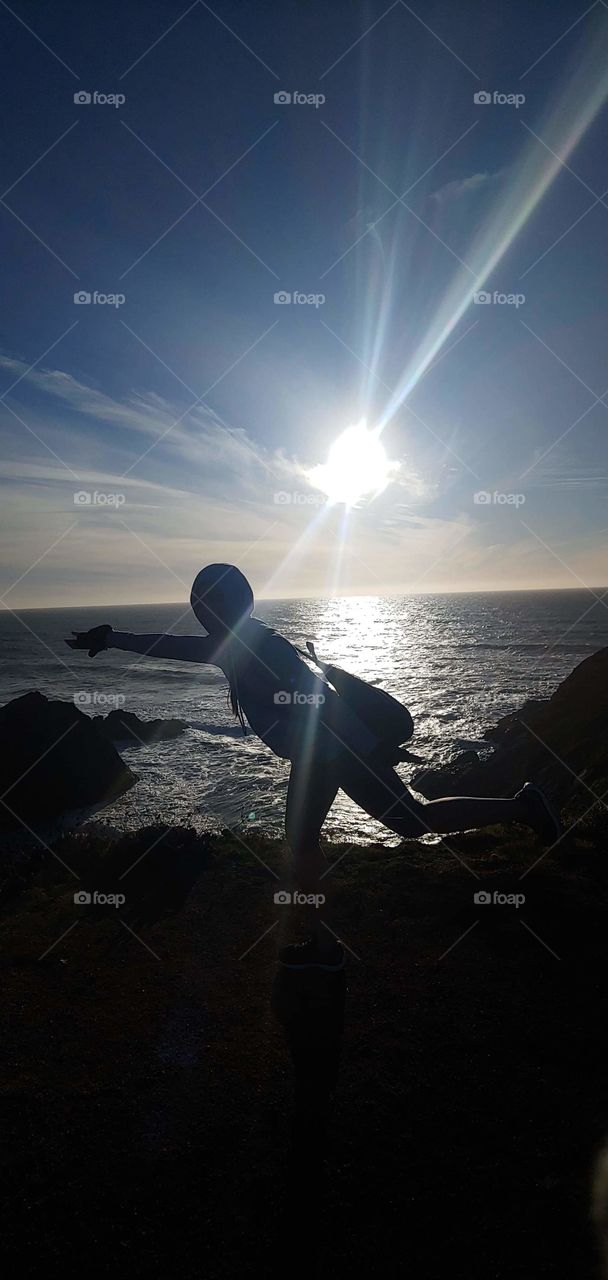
{"points": [[543, 818], [306, 955]]}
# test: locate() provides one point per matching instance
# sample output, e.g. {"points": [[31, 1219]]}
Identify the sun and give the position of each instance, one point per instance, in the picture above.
{"points": [[356, 466]]}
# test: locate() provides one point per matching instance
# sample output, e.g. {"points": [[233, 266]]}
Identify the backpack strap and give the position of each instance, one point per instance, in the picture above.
{"points": [[311, 654]]}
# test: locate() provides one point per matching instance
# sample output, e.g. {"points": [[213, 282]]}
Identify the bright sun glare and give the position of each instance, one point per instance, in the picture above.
{"points": [[357, 465]]}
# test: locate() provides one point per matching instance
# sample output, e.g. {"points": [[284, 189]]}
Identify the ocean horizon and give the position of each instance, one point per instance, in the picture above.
{"points": [[589, 589], [458, 660]]}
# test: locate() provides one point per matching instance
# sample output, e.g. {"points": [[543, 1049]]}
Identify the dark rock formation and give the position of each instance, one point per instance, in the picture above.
{"points": [[453, 779], [122, 726], [53, 758], [560, 743]]}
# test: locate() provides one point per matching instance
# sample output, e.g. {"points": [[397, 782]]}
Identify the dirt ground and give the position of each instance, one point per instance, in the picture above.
{"points": [[171, 1107]]}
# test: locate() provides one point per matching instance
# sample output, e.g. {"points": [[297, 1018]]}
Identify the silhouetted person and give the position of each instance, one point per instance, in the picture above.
{"points": [[302, 718]]}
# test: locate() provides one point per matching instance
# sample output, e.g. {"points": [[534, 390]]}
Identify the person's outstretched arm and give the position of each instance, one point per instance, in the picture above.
{"points": [[154, 644]]}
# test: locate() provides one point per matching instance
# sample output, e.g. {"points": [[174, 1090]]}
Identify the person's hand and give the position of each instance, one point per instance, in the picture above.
{"points": [[95, 640]]}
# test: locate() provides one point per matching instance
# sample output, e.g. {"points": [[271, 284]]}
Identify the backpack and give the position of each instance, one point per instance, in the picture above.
{"points": [[387, 718]]}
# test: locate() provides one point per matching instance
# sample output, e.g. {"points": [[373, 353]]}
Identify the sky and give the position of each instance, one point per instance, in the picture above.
{"points": [[427, 185]]}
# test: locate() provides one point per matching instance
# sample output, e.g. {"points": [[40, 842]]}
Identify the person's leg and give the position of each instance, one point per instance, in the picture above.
{"points": [[311, 792], [384, 796], [466, 813]]}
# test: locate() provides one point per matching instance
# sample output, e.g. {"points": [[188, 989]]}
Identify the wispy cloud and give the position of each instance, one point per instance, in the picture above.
{"points": [[460, 187], [197, 437]]}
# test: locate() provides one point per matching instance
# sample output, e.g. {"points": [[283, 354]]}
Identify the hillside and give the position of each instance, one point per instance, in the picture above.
{"points": [[149, 1092], [175, 1105]]}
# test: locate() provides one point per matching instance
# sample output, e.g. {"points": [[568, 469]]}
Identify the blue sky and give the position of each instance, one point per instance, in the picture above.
{"points": [[182, 411]]}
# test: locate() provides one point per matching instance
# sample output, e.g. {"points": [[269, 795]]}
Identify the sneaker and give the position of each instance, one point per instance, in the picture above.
{"points": [[543, 818], [306, 955]]}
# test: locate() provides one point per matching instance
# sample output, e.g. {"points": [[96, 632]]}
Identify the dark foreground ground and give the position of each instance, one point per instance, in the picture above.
{"points": [[149, 1095]]}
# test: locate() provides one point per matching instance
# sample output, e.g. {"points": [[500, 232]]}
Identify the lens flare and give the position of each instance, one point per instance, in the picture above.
{"points": [[357, 465], [545, 154]]}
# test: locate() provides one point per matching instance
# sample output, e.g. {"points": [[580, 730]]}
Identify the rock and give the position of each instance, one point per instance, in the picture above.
{"points": [[561, 743], [53, 758], [465, 759], [501, 730], [120, 726], [435, 783]]}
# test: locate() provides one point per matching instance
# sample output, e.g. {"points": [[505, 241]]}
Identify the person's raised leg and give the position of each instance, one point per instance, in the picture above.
{"points": [[466, 813], [462, 813], [384, 796]]}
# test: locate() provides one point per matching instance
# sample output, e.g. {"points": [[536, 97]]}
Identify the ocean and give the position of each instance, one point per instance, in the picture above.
{"points": [[459, 662]]}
